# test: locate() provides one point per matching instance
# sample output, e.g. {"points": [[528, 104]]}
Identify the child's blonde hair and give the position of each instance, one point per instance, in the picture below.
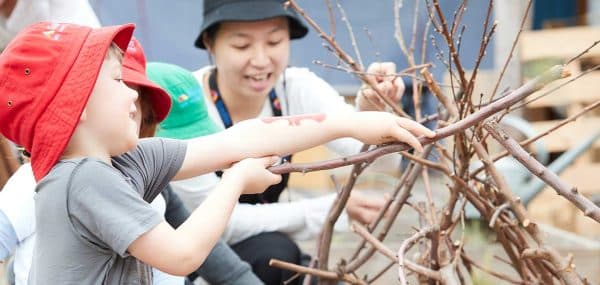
{"points": [[115, 51]]}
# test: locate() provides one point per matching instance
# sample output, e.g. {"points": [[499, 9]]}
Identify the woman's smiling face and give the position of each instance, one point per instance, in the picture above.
{"points": [[250, 56]]}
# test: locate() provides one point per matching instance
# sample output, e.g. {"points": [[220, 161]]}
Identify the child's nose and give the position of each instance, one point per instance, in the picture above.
{"points": [[134, 94]]}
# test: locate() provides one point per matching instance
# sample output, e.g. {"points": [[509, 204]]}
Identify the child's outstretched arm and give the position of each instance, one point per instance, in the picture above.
{"points": [[182, 251], [284, 135]]}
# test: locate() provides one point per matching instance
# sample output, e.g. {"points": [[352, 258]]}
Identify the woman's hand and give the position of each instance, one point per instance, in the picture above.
{"points": [[391, 86], [364, 209]]}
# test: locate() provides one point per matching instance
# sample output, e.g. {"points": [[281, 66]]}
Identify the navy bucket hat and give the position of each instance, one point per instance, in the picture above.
{"points": [[216, 11]]}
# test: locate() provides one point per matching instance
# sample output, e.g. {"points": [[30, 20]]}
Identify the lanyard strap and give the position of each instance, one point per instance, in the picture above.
{"points": [[270, 195], [220, 104]]}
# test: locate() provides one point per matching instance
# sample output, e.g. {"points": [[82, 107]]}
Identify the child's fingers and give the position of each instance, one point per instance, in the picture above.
{"points": [[269, 160], [275, 178], [405, 136], [416, 128]]}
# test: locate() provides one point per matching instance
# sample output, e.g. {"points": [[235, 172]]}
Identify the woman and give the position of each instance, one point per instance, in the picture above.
{"points": [[248, 42]]}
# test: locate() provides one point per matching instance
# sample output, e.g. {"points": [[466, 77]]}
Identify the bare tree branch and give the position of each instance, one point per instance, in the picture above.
{"points": [[480, 115], [570, 193], [564, 269], [316, 272]]}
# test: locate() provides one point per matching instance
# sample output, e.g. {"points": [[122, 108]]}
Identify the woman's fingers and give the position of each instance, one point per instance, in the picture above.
{"points": [[372, 97]]}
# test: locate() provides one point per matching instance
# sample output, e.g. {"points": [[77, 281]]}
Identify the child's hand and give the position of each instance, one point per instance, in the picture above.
{"points": [[381, 127], [253, 175], [391, 87], [364, 209]]}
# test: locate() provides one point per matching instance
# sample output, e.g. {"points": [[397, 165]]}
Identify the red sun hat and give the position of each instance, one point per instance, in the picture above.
{"points": [[134, 72], [47, 74]]}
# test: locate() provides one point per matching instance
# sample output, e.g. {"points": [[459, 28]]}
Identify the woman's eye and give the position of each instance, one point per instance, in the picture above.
{"points": [[274, 43], [241, 47]]}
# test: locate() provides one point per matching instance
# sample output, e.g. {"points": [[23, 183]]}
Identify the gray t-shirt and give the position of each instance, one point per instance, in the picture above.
{"points": [[89, 212]]}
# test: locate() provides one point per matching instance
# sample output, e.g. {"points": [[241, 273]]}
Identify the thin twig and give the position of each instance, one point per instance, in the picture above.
{"points": [[362, 231], [346, 21], [449, 104], [429, 196], [398, 29], [565, 269], [405, 246], [425, 162], [490, 272], [515, 203], [533, 139], [497, 213], [407, 72], [402, 192], [553, 89], [324, 242], [331, 19], [370, 36], [452, 49], [583, 52], [562, 188], [414, 31], [383, 271], [316, 272]]}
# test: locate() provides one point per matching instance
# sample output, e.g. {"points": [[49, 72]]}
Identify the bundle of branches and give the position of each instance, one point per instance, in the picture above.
{"points": [[470, 127]]}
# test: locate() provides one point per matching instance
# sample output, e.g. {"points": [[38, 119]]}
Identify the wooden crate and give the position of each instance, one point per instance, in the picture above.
{"points": [[561, 43], [539, 50], [312, 181]]}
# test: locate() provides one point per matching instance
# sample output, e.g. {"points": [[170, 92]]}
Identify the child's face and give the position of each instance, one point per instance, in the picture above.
{"points": [[110, 112], [137, 117], [250, 56]]}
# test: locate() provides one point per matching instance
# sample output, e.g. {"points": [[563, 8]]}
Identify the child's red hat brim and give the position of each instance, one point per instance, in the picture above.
{"points": [[47, 74]]}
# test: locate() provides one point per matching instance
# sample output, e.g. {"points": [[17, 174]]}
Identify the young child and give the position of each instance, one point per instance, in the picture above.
{"points": [[62, 97], [17, 222]]}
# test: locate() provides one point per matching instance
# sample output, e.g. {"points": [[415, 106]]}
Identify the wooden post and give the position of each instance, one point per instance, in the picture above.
{"points": [[507, 12]]}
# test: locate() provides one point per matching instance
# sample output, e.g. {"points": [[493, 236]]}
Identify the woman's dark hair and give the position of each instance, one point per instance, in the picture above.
{"points": [[211, 32]]}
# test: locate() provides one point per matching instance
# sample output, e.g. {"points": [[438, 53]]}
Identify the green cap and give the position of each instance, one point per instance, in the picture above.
{"points": [[188, 117]]}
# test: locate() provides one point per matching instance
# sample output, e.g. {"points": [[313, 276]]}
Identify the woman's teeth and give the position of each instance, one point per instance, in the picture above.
{"points": [[259, 77]]}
